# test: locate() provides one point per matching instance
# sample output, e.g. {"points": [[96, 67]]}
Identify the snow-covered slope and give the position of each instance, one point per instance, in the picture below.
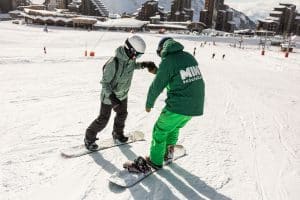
{"points": [[242, 21], [246, 145]]}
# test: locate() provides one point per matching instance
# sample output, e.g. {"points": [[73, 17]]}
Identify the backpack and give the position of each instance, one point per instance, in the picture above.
{"points": [[116, 65]]}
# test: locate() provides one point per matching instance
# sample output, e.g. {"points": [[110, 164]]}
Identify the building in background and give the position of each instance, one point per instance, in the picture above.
{"points": [[283, 19], [9, 5], [224, 21], [94, 8], [75, 6], [6, 6], [210, 12], [148, 9], [63, 4], [51, 4], [85, 7], [217, 15], [181, 11], [57, 4]]}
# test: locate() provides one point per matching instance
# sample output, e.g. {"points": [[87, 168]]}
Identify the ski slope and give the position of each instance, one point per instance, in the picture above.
{"points": [[246, 145]]}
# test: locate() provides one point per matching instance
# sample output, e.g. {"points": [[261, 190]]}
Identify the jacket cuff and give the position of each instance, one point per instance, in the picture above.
{"points": [[138, 65]]}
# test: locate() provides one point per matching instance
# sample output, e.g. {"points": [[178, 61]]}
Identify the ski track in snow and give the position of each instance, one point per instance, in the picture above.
{"points": [[245, 146]]}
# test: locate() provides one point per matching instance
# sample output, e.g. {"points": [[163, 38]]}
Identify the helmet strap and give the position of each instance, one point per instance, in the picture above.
{"points": [[130, 51]]}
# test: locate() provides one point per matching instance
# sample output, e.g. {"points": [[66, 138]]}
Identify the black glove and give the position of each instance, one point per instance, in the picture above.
{"points": [[150, 66], [115, 102]]}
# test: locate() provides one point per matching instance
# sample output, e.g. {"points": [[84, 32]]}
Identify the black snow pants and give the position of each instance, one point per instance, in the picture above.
{"points": [[101, 121]]}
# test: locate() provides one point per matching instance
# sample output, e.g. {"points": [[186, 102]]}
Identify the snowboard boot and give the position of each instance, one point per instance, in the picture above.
{"points": [[119, 137], [147, 158], [169, 155], [139, 165], [90, 144]]}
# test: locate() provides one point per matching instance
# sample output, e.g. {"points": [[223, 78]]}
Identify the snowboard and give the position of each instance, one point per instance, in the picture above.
{"points": [[126, 179], [80, 150]]}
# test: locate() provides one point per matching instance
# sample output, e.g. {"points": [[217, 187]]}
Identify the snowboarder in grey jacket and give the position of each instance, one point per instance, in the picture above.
{"points": [[116, 81]]}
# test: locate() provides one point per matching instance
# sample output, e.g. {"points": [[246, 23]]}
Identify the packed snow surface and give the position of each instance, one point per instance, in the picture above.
{"points": [[245, 146], [122, 22]]}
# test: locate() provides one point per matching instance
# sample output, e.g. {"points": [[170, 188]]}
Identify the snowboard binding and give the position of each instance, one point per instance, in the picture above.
{"points": [[119, 137], [139, 165], [169, 155]]}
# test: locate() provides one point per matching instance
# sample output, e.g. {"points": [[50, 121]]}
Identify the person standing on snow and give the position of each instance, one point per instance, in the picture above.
{"points": [[46, 28], [116, 81], [178, 72]]}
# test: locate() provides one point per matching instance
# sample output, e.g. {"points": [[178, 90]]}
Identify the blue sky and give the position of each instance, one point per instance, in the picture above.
{"points": [[258, 8]]}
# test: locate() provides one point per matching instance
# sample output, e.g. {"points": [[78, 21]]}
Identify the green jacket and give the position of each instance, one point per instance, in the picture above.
{"points": [[179, 73], [117, 81]]}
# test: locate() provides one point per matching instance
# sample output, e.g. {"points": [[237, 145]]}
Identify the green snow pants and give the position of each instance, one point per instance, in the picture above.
{"points": [[165, 133]]}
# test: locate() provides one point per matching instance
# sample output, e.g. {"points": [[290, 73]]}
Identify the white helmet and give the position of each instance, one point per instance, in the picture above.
{"points": [[135, 45]]}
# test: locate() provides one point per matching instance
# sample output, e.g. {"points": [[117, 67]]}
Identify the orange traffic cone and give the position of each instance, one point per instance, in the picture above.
{"points": [[286, 54]]}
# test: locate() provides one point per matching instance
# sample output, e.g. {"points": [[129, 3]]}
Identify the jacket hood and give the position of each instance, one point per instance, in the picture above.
{"points": [[171, 46]]}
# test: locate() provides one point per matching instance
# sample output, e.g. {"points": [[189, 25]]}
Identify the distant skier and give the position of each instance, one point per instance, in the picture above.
{"points": [[45, 51], [194, 53], [46, 28], [116, 81], [223, 56], [179, 73], [213, 55]]}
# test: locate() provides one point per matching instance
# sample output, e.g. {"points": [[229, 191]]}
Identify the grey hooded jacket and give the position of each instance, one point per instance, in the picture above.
{"points": [[118, 79]]}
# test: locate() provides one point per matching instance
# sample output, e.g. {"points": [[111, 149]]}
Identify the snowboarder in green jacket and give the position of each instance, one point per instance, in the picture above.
{"points": [[178, 72], [116, 81]]}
